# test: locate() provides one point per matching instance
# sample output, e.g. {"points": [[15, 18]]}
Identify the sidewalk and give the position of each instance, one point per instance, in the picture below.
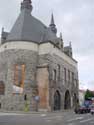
{"points": [[34, 112]]}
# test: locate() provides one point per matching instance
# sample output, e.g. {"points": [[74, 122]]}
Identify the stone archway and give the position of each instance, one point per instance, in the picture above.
{"points": [[57, 101], [67, 101]]}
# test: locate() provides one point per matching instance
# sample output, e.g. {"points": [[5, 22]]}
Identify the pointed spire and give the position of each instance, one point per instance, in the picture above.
{"points": [[2, 29], [52, 24], [70, 44], [26, 4], [61, 36], [52, 20]]}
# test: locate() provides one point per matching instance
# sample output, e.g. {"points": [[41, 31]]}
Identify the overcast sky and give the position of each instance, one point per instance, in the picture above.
{"points": [[74, 18]]}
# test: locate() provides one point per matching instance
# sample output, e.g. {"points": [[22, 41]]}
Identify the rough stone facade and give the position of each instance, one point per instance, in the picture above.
{"points": [[60, 84], [38, 77], [9, 59]]}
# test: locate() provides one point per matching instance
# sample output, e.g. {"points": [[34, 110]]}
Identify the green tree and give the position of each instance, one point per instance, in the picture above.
{"points": [[89, 94]]}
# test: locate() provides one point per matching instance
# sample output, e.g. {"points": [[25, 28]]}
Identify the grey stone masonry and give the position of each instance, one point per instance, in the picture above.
{"points": [[34, 60], [60, 84], [8, 59]]}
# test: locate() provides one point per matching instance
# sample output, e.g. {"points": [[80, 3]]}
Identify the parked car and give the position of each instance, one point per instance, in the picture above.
{"points": [[92, 109], [82, 109]]}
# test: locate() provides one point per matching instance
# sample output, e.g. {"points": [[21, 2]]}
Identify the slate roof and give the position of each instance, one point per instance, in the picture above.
{"points": [[28, 28]]}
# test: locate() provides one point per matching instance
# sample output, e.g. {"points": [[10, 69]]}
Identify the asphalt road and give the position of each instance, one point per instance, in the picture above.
{"points": [[59, 118]]}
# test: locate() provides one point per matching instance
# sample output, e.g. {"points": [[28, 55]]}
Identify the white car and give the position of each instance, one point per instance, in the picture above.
{"points": [[92, 110]]}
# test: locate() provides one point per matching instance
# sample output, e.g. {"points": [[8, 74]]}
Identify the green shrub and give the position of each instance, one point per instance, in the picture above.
{"points": [[26, 107]]}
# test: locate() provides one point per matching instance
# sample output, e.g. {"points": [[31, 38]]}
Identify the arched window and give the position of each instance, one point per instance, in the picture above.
{"points": [[72, 77], [69, 75], [58, 72], [54, 75], [65, 78]]}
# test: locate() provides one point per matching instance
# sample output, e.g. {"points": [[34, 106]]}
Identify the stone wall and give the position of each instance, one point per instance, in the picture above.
{"points": [[53, 61], [36, 74], [43, 87], [8, 59]]}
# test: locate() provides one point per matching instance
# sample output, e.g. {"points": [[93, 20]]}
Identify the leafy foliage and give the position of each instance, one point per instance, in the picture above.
{"points": [[89, 94]]}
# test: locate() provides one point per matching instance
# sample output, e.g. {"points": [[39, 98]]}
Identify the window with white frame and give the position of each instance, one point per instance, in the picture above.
{"points": [[19, 76]]}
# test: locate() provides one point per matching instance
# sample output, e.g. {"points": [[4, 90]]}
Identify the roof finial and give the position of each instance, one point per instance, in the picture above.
{"points": [[26, 4], [52, 24], [70, 44], [52, 20]]}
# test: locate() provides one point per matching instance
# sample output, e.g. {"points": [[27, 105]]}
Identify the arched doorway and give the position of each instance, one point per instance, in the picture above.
{"points": [[67, 102], [57, 101]]}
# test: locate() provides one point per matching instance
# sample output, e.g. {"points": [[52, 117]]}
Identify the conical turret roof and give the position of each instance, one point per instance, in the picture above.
{"points": [[52, 25], [28, 28]]}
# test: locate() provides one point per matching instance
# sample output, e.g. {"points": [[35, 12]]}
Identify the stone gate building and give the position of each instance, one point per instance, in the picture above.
{"points": [[35, 63]]}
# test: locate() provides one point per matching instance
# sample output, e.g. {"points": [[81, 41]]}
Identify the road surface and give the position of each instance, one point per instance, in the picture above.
{"points": [[59, 118]]}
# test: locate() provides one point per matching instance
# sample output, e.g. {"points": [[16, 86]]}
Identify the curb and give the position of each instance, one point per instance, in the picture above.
{"points": [[21, 112]]}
